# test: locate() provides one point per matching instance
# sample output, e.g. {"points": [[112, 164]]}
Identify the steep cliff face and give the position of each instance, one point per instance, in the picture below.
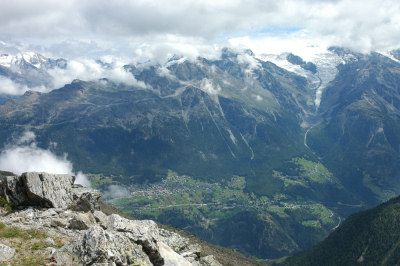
{"points": [[85, 235]]}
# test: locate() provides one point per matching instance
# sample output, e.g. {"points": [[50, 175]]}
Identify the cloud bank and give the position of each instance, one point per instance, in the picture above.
{"points": [[115, 192], [23, 155], [9, 87], [359, 24], [89, 69]]}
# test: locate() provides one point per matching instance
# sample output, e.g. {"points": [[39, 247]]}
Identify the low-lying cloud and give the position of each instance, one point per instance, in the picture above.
{"points": [[90, 69], [114, 192], [7, 86], [23, 155], [81, 68]]}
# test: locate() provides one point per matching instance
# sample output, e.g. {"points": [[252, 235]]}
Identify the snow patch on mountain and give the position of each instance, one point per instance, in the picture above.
{"points": [[34, 59], [175, 60], [389, 55]]}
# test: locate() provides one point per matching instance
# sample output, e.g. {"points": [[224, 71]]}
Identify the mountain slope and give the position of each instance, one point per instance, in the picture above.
{"points": [[210, 119], [367, 238], [359, 135], [206, 125], [272, 154]]}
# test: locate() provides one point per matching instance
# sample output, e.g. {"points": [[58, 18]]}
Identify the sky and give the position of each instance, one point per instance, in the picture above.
{"points": [[151, 29]]}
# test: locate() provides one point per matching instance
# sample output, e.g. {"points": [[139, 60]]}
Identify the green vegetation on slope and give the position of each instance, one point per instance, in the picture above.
{"points": [[28, 244], [367, 238], [213, 211]]}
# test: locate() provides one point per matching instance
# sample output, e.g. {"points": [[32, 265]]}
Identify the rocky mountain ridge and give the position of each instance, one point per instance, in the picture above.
{"points": [[52, 203]]}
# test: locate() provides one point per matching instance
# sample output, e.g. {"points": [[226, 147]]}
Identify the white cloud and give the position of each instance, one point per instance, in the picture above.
{"points": [[116, 192], [209, 88], [83, 69], [23, 155], [301, 43], [156, 28], [89, 69], [248, 60], [159, 49], [258, 97], [9, 87], [82, 179]]}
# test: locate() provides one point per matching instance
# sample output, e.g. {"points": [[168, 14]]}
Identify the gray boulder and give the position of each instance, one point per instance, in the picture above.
{"points": [[142, 232], [48, 190], [37, 189], [100, 247], [6, 253], [82, 221], [181, 245], [209, 261], [100, 218], [85, 199], [49, 242], [174, 240], [171, 258]]}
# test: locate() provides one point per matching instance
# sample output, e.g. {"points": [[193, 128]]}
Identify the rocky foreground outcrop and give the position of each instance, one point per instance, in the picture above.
{"points": [[52, 203]]}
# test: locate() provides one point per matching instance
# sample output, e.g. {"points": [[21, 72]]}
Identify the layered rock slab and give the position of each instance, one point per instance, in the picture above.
{"points": [[48, 191]]}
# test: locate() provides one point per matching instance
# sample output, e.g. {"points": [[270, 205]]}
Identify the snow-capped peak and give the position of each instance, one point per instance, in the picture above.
{"points": [[33, 58], [326, 63]]}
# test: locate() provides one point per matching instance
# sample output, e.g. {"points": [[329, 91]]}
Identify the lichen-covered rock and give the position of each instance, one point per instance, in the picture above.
{"points": [[98, 246], [100, 218], [37, 189], [143, 232], [192, 253], [48, 190], [6, 253], [173, 240], [85, 199], [209, 261], [179, 244], [49, 242], [57, 222], [82, 221]]}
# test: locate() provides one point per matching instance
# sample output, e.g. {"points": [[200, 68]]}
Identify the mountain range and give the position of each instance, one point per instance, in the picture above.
{"points": [[310, 142]]}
